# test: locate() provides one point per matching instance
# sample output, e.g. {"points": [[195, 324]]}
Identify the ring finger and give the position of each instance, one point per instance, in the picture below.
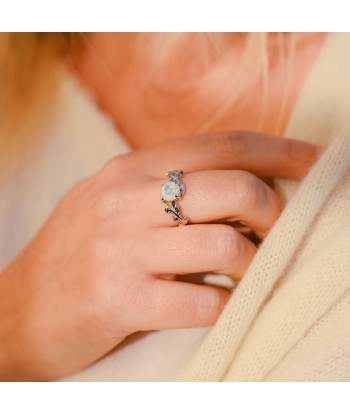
{"points": [[231, 195]]}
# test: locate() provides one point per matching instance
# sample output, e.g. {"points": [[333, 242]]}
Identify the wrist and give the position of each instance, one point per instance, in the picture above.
{"points": [[19, 343]]}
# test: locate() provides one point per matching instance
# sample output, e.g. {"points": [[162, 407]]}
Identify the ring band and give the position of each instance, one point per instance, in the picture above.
{"points": [[171, 192]]}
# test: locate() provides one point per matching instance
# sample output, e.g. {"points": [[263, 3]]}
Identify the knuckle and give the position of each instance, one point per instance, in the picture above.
{"points": [[226, 144], [81, 194], [250, 190], [112, 202], [115, 167], [227, 243], [208, 306]]}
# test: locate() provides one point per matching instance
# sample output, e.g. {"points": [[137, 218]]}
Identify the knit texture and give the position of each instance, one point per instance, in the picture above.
{"points": [[289, 318]]}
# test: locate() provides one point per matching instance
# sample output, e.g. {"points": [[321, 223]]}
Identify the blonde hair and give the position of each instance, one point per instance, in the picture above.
{"points": [[29, 75], [28, 80], [250, 70]]}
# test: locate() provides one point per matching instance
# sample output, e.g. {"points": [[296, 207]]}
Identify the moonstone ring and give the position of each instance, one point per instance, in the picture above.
{"points": [[172, 191]]}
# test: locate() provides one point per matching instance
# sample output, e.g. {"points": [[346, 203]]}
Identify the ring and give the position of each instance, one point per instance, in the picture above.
{"points": [[172, 191]]}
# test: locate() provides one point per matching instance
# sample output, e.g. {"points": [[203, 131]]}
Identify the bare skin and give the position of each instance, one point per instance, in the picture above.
{"points": [[100, 270], [108, 60]]}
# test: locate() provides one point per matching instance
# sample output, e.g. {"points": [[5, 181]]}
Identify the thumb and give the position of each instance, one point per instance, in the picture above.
{"points": [[174, 304]]}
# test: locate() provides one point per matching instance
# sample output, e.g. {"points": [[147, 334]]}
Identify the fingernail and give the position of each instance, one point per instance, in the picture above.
{"points": [[319, 151]]}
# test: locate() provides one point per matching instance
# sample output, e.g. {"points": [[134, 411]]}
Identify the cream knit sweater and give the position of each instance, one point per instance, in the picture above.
{"points": [[289, 318]]}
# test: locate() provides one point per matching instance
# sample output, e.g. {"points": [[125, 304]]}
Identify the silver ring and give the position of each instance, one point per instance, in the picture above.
{"points": [[171, 192]]}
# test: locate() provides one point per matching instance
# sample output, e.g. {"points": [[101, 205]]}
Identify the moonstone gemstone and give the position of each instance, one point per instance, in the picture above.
{"points": [[170, 191]]}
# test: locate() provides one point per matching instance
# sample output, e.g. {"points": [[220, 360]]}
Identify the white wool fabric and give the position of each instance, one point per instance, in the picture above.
{"points": [[289, 318]]}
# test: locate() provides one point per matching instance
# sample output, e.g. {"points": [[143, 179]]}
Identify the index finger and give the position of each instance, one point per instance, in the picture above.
{"points": [[261, 154]]}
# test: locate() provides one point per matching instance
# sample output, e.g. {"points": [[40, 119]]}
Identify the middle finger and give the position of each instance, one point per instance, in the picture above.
{"points": [[230, 195]]}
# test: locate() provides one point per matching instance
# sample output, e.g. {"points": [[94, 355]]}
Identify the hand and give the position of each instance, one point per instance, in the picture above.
{"points": [[101, 267]]}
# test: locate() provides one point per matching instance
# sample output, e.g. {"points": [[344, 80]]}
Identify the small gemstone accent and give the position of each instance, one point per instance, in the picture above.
{"points": [[175, 174], [170, 191]]}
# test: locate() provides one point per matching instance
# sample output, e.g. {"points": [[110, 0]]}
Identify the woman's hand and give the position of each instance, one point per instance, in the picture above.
{"points": [[101, 267]]}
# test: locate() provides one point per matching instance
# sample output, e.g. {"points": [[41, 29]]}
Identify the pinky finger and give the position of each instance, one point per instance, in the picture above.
{"points": [[174, 305]]}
